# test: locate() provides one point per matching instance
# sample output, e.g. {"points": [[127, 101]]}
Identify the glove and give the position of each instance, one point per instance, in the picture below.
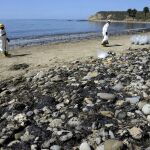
{"points": [[8, 39]]}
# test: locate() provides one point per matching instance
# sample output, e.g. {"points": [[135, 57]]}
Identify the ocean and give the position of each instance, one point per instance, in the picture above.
{"points": [[32, 32]]}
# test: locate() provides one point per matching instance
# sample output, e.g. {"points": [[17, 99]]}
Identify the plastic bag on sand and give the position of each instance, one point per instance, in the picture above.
{"points": [[102, 54], [140, 40]]}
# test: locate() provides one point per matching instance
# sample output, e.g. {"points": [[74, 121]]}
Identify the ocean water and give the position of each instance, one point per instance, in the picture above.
{"points": [[32, 32]]}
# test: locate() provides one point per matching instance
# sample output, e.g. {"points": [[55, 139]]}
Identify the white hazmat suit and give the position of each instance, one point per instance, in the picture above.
{"points": [[105, 33], [3, 41]]}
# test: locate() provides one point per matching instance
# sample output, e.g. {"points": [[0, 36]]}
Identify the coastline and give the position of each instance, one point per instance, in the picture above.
{"points": [[70, 37], [43, 57], [121, 21]]}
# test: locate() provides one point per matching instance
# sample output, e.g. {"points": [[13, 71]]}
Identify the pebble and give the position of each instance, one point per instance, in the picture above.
{"points": [[146, 109], [120, 102], [73, 122], [56, 78], [84, 146], [136, 133], [91, 75], [18, 135], [120, 114], [5, 115], [59, 106], [66, 137], [106, 96], [29, 113], [56, 123], [107, 113], [21, 118], [88, 100], [98, 141], [39, 75], [55, 147], [34, 147], [27, 137], [148, 118], [133, 100], [118, 87], [2, 141], [141, 104], [63, 117], [113, 145], [46, 144], [111, 134], [14, 143], [4, 93]]}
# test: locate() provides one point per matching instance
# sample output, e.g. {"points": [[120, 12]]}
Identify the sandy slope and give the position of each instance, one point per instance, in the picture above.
{"points": [[44, 56]]}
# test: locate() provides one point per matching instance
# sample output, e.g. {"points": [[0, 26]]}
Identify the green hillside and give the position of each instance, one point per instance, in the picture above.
{"points": [[119, 16]]}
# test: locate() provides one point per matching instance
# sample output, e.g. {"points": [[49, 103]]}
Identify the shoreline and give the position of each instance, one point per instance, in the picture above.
{"points": [[71, 37]]}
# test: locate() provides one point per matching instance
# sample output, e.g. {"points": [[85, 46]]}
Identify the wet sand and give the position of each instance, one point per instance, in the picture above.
{"points": [[45, 56]]}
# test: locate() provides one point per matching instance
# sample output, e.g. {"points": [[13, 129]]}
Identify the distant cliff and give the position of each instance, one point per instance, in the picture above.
{"points": [[119, 16]]}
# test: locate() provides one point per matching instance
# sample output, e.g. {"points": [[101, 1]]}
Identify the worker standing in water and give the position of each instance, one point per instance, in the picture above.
{"points": [[3, 41], [105, 33]]}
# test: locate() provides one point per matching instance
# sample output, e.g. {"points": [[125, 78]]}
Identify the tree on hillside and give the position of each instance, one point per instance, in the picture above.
{"points": [[145, 10], [129, 11], [134, 12]]}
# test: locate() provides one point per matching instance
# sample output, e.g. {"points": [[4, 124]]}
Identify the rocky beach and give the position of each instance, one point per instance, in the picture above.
{"points": [[75, 75], [90, 104]]}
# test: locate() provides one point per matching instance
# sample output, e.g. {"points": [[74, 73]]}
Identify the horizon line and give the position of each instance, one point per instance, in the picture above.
{"points": [[38, 19]]}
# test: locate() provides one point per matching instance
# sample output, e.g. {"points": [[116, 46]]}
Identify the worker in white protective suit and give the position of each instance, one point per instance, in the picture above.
{"points": [[105, 33], [3, 41]]}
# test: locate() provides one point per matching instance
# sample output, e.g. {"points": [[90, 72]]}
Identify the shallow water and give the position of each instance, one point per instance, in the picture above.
{"points": [[31, 32]]}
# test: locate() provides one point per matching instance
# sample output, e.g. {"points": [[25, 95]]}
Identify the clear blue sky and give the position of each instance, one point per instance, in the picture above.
{"points": [[63, 9]]}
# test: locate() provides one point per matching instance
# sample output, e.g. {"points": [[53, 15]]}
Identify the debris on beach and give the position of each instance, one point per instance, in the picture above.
{"points": [[102, 54], [19, 66], [99, 104], [140, 39]]}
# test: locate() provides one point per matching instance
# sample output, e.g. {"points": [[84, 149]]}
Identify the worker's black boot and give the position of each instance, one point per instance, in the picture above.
{"points": [[104, 43], [6, 54]]}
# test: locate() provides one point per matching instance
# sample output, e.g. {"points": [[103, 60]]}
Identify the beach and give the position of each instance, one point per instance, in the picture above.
{"points": [[62, 96], [75, 75], [45, 56]]}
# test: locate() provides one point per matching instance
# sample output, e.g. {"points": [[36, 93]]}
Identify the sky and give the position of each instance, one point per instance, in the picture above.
{"points": [[63, 9]]}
